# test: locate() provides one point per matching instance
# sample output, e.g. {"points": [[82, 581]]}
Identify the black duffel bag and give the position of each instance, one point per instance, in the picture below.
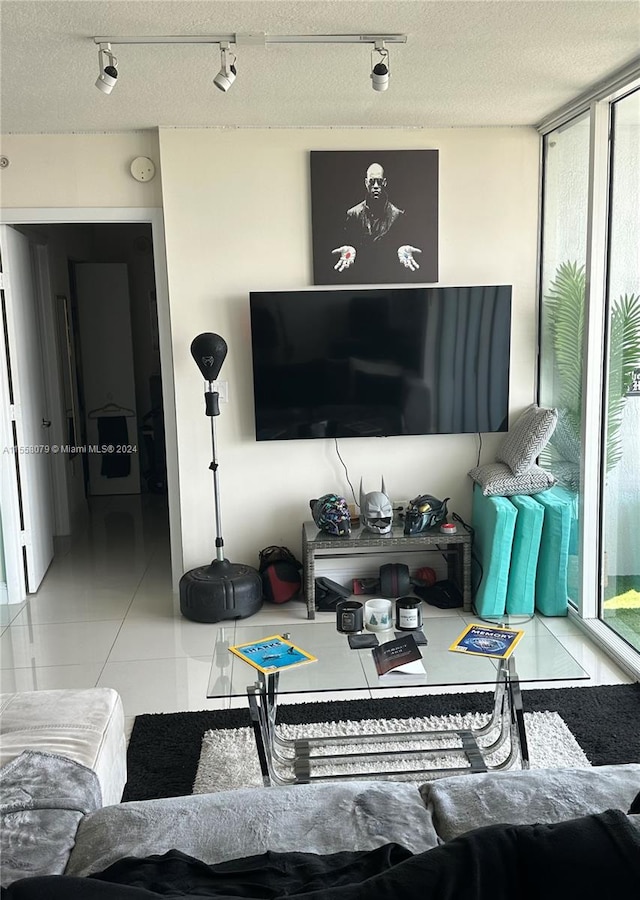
{"points": [[280, 574]]}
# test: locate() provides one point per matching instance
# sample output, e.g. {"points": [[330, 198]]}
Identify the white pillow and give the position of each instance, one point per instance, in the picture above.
{"points": [[497, 480], [524, 443]]}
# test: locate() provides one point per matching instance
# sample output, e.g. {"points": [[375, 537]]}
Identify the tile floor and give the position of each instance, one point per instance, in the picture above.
{"points": [[105, 615]]}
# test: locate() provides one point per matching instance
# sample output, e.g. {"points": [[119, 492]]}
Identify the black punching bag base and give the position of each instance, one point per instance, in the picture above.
{"points": [[222, 590]]}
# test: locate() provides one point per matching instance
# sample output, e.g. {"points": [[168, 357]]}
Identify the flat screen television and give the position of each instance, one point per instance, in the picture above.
{"points": [[380, 361]]}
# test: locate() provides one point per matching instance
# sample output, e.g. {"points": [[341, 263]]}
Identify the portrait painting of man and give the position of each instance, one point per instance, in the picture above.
{"points": [[374, 216]]}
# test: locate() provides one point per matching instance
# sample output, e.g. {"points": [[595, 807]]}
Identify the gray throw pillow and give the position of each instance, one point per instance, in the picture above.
{"points": [[461, 803], [497, 480], [523, 444]]}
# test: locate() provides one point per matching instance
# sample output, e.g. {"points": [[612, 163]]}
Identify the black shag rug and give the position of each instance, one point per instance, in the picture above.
{"points": [[164, 748]]}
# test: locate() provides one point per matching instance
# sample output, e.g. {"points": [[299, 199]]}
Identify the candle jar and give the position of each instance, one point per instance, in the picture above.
{"points": [[408, 613], [349, 617]]}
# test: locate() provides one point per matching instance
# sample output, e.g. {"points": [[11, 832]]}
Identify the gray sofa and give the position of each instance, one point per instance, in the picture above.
{"points": [[63, 753]]}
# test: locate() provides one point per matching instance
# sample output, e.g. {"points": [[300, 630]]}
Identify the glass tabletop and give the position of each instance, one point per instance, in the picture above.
{"points": [[539, 656]]}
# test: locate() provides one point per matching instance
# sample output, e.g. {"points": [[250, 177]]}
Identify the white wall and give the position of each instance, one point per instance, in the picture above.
{"points": [[77, 170], [237, 218]]}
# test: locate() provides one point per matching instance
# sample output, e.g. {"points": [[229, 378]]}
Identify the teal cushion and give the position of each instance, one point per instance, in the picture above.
{"points": [[493, 520], [521, 590], [551, 579]]}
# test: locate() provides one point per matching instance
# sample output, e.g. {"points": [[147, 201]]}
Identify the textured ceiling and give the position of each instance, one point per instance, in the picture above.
{"points": [[480, 63]]}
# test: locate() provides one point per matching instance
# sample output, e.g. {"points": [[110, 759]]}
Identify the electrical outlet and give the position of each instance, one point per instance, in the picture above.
{"points": [[222, 387]]}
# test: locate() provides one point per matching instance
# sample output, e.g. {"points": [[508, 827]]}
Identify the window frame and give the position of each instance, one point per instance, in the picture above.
{"points": [[598, 104]]}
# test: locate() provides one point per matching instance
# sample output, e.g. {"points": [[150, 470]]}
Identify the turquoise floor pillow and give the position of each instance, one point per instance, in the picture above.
{"points": [[493, 520], [551, 579], [521, 589]]}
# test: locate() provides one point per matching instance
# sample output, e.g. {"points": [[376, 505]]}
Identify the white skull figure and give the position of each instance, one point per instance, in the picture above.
{"points": [[376, 510]]}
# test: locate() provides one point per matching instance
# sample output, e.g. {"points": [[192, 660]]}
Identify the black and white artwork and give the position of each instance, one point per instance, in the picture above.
{"points": [[374, 216]]}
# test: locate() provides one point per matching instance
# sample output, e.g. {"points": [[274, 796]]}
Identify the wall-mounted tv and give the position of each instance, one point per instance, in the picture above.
{"points": [[381, 361]]}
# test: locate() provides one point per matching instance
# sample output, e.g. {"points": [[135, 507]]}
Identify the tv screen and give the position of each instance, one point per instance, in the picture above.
{"points": [[381, 361]]}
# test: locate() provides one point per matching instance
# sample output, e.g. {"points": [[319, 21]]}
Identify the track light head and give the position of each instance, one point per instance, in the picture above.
{"points": [[227, 74], [224, 80], [380, 68], [108, 76], [380, 77], [106, 80]]}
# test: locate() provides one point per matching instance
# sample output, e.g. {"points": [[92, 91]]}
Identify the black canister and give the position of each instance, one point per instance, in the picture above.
{"points": [[349, 616], [408, 613]]}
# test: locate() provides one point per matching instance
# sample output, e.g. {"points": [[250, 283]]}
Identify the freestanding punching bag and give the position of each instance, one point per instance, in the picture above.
{"points": [[221, 590]]}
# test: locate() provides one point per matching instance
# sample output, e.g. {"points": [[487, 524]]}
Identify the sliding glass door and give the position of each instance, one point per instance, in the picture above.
{"points": [[562, 318], [620, 594], [589, 349]]}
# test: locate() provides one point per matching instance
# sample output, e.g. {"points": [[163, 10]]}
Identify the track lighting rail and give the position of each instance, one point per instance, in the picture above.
{"points": [[255, 38], [229, 43]]}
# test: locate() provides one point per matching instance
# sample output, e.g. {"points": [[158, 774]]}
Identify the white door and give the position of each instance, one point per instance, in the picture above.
{"points": [[29, 408]]}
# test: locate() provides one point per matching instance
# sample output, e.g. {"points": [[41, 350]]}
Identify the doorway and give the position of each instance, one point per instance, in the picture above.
{"points": [[113, 357], [129, 243]]}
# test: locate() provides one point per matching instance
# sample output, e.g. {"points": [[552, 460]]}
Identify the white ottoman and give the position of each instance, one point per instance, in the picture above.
{"points": [[84, 725]]}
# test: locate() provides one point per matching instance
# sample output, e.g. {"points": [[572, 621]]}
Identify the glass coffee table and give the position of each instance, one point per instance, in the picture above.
{"points": [[540, 657]]}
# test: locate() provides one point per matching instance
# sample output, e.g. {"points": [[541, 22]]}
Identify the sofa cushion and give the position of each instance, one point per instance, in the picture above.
{"points": [[84, 725], [542, 796], [552, 593], [494, 522], [524, 443], [316, 818], [43, 798], [521, 589]]}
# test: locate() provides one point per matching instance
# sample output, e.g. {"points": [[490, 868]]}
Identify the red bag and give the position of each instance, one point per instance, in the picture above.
{"points": [[280, 574]]}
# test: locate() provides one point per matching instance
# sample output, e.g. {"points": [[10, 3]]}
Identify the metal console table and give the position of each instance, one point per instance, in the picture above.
{"points": [[318, 545]]}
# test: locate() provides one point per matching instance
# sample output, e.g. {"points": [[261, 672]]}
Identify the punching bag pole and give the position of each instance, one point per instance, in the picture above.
{"points": [[221, 590], [209, 352], [212, 409]]}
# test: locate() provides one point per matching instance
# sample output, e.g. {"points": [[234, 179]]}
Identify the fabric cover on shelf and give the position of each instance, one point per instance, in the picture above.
{"points": [[494, 521], [521, 588]]}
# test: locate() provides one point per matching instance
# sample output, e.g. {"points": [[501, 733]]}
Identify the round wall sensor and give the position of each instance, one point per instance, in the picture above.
{"points": [[143, 168]]}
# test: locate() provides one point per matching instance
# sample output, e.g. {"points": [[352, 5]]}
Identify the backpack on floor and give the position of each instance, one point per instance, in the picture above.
{"points": [[280, 574]]}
